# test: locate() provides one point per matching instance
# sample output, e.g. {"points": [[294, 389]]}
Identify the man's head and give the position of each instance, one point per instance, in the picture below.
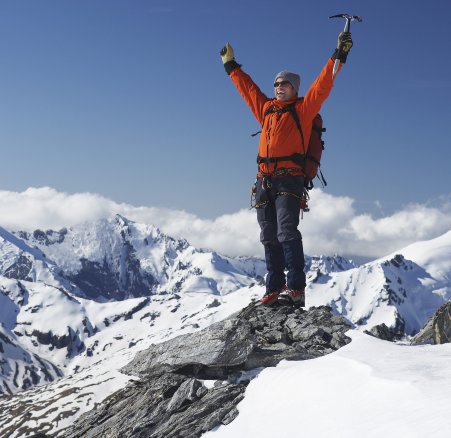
{"points": [[286, 85]]}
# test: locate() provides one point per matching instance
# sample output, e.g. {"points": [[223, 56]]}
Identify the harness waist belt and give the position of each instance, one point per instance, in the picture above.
{"points": [[280, 173]]}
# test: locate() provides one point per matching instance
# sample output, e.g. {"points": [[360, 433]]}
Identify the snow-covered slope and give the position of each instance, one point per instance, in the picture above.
{"points": [[434, 256], [369, 388], [20, 261]]}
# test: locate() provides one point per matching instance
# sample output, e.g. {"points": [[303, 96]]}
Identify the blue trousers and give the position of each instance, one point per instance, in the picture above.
{"points": [[278, 208]]}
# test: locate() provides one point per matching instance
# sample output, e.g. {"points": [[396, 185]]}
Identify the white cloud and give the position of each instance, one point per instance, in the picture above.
{"points": [[332, 226]]}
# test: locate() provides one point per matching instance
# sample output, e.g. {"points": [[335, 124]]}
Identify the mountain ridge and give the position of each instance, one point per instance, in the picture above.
{"points": [[54, 332]]}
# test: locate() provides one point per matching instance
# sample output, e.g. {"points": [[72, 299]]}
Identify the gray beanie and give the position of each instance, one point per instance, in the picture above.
{"points": [[293, 78]]}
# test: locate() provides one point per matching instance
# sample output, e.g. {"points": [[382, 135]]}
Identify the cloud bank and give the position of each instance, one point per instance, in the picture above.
{"points": [[332, 227]]}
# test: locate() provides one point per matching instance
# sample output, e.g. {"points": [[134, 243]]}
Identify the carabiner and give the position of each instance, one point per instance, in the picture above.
{"points": [[266, 183]]}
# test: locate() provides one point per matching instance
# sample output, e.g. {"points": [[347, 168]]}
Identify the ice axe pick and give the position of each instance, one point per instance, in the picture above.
{"points": [[348, 19]]}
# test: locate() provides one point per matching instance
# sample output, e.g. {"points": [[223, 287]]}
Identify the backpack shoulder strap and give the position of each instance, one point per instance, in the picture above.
{"points": [[292, 109]]}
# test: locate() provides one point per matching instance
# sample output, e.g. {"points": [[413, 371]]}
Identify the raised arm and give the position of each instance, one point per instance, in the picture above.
{"points": [[320, 89], [250, 92]]}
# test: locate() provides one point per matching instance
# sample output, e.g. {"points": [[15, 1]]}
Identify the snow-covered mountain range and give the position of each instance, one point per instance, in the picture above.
{"points": [[78, 303], [65, 295], [401, 290]]}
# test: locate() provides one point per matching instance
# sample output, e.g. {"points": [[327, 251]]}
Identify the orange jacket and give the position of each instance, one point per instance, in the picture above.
{"points": [[280, 135]]}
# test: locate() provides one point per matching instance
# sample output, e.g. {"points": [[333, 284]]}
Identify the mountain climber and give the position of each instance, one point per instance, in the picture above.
{"points": [[280, 181]]}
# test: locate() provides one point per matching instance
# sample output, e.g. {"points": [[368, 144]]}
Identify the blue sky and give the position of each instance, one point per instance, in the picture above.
{"points": [[129, 99]]}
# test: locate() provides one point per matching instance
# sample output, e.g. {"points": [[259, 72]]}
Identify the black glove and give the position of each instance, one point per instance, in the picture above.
{"points": [[228, 58], [343, 47], [344, 41]]}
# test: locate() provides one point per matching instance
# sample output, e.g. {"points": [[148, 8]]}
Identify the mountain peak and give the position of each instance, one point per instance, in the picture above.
{"points": [[122, 221], [231, 352]]}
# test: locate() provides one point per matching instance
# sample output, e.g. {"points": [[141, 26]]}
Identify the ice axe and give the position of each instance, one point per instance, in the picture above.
{"points": [[348, 19]]}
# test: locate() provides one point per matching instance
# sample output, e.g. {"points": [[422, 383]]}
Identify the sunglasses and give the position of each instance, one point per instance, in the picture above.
{"points": [[281, 84]]}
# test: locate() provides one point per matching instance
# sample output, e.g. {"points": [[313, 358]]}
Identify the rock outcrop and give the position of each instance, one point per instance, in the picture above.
{"points": [[438, 329], [385, 333], [193, 383]]}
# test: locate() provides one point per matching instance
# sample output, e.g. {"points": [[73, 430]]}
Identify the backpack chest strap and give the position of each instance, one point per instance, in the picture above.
{"points": [[299, 159]]}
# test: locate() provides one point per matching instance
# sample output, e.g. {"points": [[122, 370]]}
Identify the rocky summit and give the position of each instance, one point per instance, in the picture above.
{"points": [[193, 383]]}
